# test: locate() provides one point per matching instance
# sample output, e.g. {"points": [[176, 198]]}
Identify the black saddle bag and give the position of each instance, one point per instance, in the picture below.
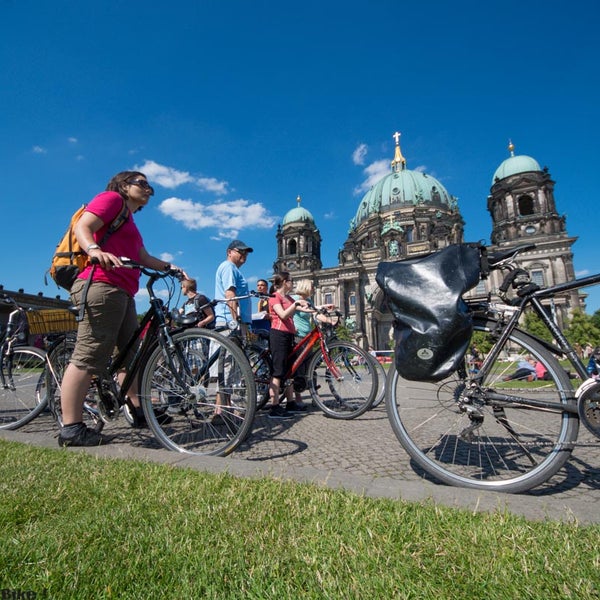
{"points": [[432, 326]]}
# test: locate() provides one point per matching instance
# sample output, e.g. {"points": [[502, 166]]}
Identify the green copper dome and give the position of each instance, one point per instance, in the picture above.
{"points": [[402, 187], [298, 215], [515, 164]]}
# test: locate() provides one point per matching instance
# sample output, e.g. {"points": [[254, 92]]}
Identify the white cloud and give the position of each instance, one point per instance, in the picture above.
{"points": [[228, 217], [39, 150], [374, 172], [210, 184], [73, 140], [167, 177], [171, 178], [359, 154]]}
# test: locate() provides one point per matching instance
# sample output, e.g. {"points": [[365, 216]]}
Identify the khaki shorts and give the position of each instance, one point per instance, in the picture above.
{"points": [[109, 322]]}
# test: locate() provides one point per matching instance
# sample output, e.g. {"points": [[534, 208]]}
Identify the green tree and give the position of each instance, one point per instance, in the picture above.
{"points": [[596, 319], [581, 329], [534, 325]]}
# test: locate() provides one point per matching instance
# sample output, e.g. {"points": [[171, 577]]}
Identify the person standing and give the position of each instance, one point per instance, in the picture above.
{"points": [[229, 282], [303, 321], [262, 322], [197, 304], [262, 287], [110, 317], [281, 341]]}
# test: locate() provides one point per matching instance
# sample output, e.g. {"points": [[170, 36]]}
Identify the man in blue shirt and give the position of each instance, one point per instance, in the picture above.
{"points": [[229, 282]]}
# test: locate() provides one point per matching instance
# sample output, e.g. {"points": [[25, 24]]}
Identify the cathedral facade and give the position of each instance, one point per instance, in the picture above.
{"points": [[409, 213]]}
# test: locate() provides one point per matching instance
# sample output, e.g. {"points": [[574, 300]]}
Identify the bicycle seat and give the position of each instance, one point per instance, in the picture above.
{"points": [[183, 320]]}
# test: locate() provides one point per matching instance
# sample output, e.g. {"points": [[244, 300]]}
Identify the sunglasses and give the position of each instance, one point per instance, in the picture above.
{"points": [[244, 252], [142, 183]]}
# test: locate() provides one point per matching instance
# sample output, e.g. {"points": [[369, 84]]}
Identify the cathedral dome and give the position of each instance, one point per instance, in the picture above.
{"points": [[298, 215], [402, 187], [515, 164]]}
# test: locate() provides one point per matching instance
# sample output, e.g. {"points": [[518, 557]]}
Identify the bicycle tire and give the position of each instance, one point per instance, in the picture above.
{"points": [[262, 368], [23, 395], [59, 355], [381, 380], [348, 393], [429, 423], [215, 370]]}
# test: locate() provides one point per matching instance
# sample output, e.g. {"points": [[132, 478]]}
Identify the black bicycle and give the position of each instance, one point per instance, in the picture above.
{"points": [[482, 428], [195, 386], [22, 371]]}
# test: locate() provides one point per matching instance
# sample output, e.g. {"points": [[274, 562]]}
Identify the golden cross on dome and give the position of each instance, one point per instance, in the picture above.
{"points": [[399, 162]]}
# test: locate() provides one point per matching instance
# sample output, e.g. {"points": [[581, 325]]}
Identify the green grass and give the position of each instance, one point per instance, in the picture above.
{"points": [[72, 526]]}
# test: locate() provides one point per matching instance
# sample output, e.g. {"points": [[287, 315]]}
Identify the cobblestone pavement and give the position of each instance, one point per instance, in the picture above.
{"points": [[361, 455]]}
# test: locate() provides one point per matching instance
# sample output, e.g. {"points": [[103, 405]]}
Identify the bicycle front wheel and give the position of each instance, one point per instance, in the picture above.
{"points": [[199, 396], [382, 377], [462, 436], [345, 385], [24, 392], [262, 368]]}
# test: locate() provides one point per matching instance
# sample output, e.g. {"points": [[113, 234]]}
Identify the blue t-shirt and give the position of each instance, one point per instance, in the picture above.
{"points": [[302, 320], [229, 276]]}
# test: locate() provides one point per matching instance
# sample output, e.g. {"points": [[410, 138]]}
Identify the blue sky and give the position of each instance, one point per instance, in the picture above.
{"points": [[233, 109]]}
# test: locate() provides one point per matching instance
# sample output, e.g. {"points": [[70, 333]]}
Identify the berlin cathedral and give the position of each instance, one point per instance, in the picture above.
{"points": [[409, 213]]}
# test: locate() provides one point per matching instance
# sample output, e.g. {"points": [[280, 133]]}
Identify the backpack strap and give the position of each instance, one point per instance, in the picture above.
{"points": [[116, 223]]}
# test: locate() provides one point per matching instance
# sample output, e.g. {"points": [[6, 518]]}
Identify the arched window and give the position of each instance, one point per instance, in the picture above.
{"points": [[537, 276], [526, 205], [292, 247]]}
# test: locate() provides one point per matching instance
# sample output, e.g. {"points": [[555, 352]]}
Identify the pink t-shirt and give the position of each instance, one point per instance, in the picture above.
{"points": [[126, 241], [286, 325]]}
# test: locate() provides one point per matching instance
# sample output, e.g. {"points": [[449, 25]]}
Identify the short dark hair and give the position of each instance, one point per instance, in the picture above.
{"points": [[280, 278], [120, 180], [191, 283]]}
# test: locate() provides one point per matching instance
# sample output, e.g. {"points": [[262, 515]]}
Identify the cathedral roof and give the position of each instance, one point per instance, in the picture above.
{"points": [[402, 187], [515, 164], [298, 215]]}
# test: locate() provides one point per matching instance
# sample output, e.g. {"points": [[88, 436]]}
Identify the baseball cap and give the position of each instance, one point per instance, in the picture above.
{"points": [[239, 245]]}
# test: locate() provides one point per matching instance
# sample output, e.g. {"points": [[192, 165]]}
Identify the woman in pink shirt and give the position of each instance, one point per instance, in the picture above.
{"points": [[282, 308], [110, 316]]}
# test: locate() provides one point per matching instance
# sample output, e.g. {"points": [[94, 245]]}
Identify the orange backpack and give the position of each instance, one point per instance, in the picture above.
{"points": [[69, 257]]}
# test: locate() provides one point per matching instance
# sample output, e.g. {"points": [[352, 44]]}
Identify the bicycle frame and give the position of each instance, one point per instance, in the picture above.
{"points": [[153, 330], [533, 298], [304, 347]]}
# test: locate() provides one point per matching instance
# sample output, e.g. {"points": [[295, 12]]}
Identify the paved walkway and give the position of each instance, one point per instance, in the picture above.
{"points": [[362, 456]]}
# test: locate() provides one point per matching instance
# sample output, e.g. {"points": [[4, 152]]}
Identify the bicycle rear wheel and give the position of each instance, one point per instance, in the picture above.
{"points": [[348, 389], [205, 384], [23, 394], [462, 437], [59, 356]]}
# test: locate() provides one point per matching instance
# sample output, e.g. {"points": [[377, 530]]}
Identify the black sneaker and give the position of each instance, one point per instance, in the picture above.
{"points": [[139, 418], [295, 407], [84, 437], [278, 412]]}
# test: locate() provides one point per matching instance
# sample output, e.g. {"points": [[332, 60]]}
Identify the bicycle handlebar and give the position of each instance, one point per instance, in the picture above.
{"points": [[129, 263]]}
